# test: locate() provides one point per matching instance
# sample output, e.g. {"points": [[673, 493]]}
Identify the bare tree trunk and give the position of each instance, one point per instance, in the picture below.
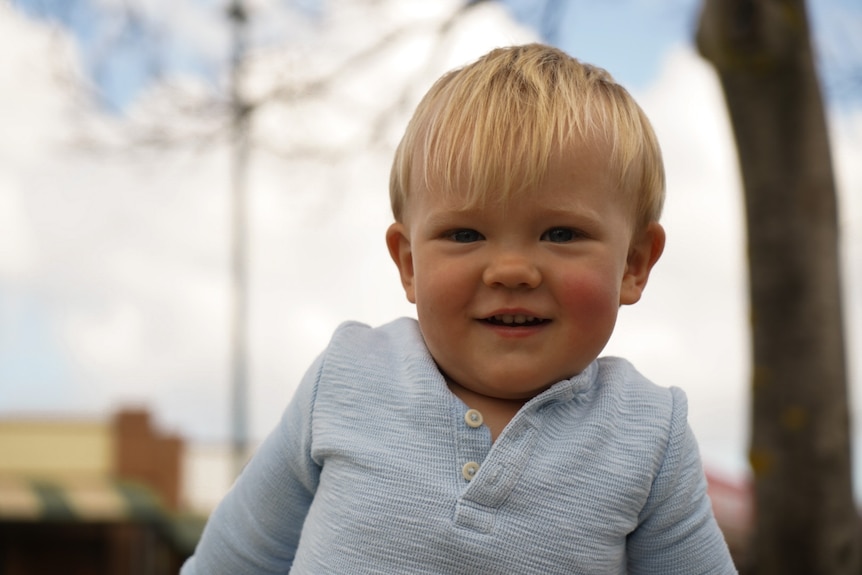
{"points": [[800, 444]]}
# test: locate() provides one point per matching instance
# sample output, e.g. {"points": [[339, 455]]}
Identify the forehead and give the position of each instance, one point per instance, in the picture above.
{"points": [[568, 171]]}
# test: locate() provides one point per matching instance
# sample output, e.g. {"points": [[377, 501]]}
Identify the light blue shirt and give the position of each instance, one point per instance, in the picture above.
{"points": [[369, 471]]}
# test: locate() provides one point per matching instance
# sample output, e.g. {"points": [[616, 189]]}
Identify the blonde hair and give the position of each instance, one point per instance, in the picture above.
{"points": [[497, 122]]}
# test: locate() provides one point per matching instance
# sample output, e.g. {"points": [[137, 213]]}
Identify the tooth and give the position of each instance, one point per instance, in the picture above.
{"points": [[516, 319]]}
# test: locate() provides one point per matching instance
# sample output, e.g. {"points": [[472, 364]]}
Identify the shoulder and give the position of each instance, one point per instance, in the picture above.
{"points": [[640, 412], [362, 344], [393, 352], [357, 335], [618, 380]]}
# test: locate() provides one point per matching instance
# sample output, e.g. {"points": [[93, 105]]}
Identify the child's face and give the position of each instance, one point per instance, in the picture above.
{"points": [[512, 299]]}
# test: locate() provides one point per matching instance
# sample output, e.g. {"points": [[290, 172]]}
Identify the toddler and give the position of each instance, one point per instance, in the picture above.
{"points": [[488, 437]]}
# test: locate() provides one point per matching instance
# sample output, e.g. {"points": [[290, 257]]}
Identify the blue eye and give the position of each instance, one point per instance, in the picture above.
{"points": [[560, 235], [465, 236]]}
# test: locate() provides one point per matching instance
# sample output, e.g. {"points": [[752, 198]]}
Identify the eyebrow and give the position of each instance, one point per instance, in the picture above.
{"points": [[581, 213], [584, 216], [442, 217]]}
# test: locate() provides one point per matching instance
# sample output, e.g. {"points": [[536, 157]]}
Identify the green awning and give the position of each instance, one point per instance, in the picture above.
{"points": [[94, 500]]}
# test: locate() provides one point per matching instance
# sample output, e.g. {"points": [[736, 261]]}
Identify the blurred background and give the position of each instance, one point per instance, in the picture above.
{"points": [[194, 194]]}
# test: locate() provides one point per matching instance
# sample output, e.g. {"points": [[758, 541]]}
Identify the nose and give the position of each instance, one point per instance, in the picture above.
{"points": [[512, 269]]}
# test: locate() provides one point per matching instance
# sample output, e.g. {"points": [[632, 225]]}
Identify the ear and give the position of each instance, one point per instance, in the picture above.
{"points": [[398, 242], [645, 250]]}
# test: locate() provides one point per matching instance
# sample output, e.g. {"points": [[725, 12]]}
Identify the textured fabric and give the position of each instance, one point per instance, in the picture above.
{"points": [[600, 474]]}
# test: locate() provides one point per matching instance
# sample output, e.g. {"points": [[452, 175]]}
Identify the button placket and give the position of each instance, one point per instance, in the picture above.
{"points": [[502, 467], [501, 470], [473, 420]]}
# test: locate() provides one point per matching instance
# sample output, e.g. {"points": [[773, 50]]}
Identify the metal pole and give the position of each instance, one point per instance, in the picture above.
{"points": [[239, 169]]}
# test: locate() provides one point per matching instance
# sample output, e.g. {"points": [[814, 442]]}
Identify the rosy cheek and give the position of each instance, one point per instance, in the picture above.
{"points": [[589, 295]]}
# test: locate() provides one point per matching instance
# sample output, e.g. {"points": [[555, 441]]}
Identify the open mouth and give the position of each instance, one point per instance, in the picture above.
{"points": [[512, 320]]}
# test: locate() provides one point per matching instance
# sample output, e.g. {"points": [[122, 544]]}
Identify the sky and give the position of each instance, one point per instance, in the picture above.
{"points": [[114, 254]]}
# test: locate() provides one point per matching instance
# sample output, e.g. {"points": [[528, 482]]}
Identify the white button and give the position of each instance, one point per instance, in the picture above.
{"points": [[470, 469], [473, 418]]}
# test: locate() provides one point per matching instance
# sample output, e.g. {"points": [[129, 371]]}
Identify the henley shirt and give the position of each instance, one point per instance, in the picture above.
{"points": [[376, 467]]}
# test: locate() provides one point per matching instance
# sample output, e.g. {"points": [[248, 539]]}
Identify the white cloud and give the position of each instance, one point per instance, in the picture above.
{"points": [[17, 245], [36, 61]]}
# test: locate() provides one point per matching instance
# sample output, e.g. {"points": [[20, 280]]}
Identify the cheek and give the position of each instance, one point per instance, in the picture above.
{"points": [[438, 288], [591, 297]]}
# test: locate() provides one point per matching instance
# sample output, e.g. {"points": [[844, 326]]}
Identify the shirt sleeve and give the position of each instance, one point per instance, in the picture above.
{"points": [[677, 533], [255, 530]]}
